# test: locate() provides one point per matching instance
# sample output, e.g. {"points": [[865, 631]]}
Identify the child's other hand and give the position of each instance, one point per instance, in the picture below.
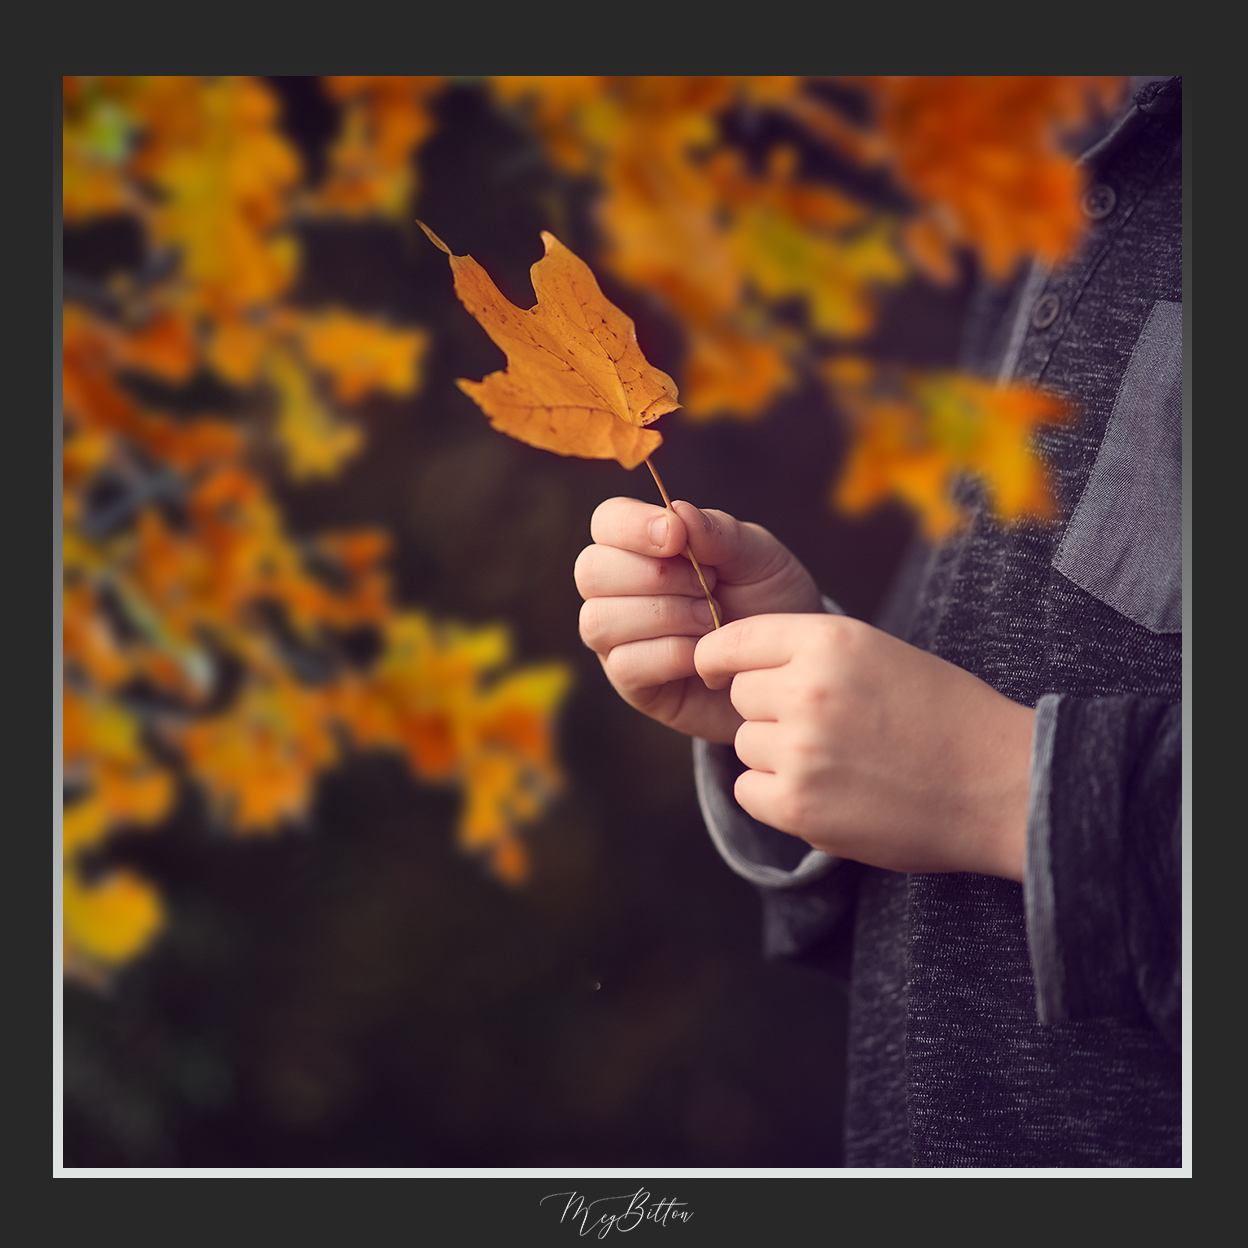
{"points": [[871, 749], [645, 610]]}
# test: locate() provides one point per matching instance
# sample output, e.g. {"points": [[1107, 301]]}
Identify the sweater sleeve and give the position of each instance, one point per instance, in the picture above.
{"points": [[806, 894], [1103, 882]]}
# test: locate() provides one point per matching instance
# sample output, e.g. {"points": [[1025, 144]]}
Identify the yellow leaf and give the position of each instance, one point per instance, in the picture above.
{"points": [[109, 922], [576, 381], [104, 751], [87, 822], [316, 442], [837, 276]]}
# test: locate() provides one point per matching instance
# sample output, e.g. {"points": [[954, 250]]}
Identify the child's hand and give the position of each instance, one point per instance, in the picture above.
{"points": [[644, 609], [871, 749]]}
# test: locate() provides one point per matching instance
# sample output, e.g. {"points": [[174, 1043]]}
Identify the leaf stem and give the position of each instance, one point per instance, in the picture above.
{"points": [[667, 502]]}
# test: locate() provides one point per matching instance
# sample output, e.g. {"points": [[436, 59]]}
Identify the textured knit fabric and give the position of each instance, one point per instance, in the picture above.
{"points": [[994, 1024]]}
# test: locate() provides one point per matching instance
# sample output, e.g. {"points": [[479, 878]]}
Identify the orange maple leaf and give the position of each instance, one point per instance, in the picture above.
{"points": [[576, 381]]}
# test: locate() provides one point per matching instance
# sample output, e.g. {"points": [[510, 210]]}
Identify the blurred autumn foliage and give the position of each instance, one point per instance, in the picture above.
{"points": [[979, 164], [203, 640], [208, 644]]}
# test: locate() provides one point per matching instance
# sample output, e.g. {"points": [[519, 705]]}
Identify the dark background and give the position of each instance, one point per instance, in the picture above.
{"points": [[360, 993]]}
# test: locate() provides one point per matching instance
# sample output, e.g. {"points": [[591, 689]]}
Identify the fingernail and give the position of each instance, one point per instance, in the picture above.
{"points": [[702, 611], [659, 529]]}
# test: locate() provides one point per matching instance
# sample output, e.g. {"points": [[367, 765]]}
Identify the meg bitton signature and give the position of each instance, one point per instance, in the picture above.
{"points": [[612, 1218]]}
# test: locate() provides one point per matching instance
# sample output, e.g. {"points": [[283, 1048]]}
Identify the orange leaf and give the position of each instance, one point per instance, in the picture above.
{"points": [[916, 433], [728, 371], [363, 355], [576, 381], [164, 347]]}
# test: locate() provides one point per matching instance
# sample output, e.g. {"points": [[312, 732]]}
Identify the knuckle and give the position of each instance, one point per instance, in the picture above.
{"points": [[724, 526], [583, 571], [605, 517], [739, 787], [628, 665], [838, 632], [807, 747], [737, 638], [673, 575], [677, 657], [591, 623], [813, 698], [793, 807], [618, 667]]}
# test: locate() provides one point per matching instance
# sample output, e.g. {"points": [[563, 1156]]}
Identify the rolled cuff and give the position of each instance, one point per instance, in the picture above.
{"points": [[1103, 879], [759, 853], [755, 851], [1038, 887]]}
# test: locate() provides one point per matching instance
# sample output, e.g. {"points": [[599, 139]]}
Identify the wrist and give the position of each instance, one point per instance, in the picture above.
{"points": [[1005, 767]]}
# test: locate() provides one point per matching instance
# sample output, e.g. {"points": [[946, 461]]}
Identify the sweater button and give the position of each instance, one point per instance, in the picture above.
{"points": [[1045, 312], [1099, 201]]}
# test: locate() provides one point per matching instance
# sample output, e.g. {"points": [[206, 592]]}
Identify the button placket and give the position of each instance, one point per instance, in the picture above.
{"points": [[1032, 355]]}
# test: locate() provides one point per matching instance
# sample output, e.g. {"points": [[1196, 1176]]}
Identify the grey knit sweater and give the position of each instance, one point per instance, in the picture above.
{"points": [[1002, 1025]]}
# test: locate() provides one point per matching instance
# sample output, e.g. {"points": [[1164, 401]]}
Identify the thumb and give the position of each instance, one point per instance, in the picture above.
{"points": [[743, 553]]}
